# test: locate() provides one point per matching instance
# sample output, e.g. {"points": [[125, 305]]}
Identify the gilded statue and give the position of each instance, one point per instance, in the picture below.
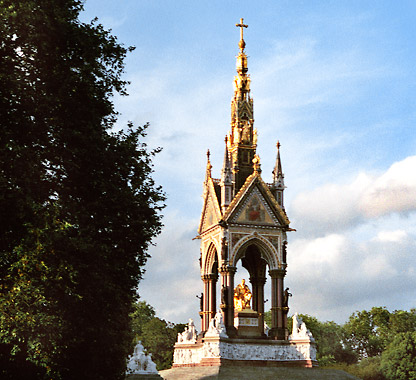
{"points": [[242, 296]]}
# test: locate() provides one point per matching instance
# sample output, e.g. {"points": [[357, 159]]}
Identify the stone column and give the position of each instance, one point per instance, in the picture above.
{"points": [[209, 299], [227, 298], [205, 321], [257, 284], [278, 329], [212, 302]]}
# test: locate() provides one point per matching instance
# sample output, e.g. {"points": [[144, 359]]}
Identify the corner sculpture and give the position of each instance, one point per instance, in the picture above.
{"points": [[243, 221], [189, 335], [141, 365]]}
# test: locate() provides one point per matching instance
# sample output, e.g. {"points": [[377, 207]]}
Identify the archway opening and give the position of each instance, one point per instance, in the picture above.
{"points": [[209, 298], [252, 267]]}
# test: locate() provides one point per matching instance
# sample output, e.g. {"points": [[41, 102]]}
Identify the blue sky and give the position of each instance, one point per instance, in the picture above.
{"points": [[335, 82]]}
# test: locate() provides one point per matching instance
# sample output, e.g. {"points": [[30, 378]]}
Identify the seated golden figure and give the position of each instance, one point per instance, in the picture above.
{"points": [[242, 296]]}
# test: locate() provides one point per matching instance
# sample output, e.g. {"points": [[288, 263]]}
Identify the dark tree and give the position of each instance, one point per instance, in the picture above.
{"points": [[78, 205]]}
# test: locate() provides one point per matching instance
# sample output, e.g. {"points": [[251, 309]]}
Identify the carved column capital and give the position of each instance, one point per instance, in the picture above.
{"points": [[227, 269], [208, 277], [277, 273]]}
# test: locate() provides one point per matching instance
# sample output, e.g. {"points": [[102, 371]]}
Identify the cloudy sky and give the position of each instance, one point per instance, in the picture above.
{"points": [[335, 82]]}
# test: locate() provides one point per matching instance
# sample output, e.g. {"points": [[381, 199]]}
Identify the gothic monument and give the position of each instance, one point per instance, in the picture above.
{"points": [[244, 218]]}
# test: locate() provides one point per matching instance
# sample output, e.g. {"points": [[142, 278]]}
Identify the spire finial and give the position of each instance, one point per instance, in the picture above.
{"points": [[209, 166], [277, 171], [241, 25]]}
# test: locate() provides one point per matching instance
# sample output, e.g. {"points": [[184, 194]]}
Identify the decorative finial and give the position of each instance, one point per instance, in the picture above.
{"points": [[209, 166], [278, 144], [241, 25], [256, 163]]}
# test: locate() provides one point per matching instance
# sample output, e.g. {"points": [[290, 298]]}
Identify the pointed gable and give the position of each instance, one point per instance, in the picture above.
{"points": [[255, 204], [254, 210], [211, 212]]}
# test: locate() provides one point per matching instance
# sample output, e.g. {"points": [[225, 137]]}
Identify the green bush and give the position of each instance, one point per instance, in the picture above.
{"points": [[398, 361]]}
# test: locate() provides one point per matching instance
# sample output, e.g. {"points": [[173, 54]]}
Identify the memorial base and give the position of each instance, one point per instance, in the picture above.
{"points": [[251, 352]]}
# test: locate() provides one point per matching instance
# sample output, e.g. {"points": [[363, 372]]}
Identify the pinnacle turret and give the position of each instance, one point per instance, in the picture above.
{"points": [[209, 167], [278, 184], [226, 179]]}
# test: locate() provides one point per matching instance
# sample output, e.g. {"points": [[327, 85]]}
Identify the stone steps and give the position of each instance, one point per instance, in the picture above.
{"points": [[254, 373]]}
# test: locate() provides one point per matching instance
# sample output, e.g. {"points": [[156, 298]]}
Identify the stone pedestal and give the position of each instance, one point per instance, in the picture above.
{"points": [[255, 352], [250, 347], [246, 323]]}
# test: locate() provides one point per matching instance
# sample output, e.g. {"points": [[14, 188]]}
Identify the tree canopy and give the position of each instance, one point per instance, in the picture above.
{"points": [[398, 361], [368, 332], [157, 335], [79, 205]]}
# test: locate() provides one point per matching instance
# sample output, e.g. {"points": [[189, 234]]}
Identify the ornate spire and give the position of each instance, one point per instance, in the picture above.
{"points": [[278, 178], [226, 168], [277, 171], [209, 166], [226, 179], [242, 140]]}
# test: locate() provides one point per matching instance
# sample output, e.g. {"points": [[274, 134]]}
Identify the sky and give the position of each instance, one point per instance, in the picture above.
{"points": [[335, 83]]}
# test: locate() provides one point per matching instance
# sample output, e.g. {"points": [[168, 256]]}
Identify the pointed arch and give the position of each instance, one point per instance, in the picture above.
{"points": [[211, 260], [267, 250]]}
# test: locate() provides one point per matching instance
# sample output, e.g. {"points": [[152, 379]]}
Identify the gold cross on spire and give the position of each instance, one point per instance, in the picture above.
{"points": [[241, 25]]}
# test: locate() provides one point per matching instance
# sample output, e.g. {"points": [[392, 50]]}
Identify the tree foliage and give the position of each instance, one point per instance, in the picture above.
{"points": [[79, 206], [369, 332], [329, 338], [398, 361], [383, 343], [142, 314], [157, 336]]}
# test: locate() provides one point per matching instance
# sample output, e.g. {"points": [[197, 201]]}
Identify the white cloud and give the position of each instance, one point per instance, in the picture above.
{"points": [[356, 245], [393, 191], [338, 207], [334, 275], [172, 278], [391, 236]]}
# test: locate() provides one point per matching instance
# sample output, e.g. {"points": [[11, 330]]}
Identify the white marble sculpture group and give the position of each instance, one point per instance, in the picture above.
{"points": [[216, 327], [140, 363], [189, 335], [299, 330]]}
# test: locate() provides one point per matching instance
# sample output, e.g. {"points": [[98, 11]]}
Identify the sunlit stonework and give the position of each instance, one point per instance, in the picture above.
{"points": [[243, 219]]}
